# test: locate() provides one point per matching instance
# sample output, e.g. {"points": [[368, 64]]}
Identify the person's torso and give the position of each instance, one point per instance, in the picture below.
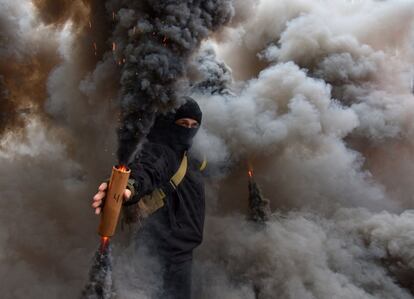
{"points": [[177, 228]]}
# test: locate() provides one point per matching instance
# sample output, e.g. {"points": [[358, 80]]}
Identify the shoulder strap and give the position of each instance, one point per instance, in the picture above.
{"points": [[203, 164], [181, 172], [150, 203]]}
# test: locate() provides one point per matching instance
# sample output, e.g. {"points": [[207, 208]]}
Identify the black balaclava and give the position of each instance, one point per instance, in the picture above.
{"points": [[179, 138]]}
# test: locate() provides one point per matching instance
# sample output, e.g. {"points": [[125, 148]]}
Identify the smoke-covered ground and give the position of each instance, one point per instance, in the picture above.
{"points": [[315, 95]]}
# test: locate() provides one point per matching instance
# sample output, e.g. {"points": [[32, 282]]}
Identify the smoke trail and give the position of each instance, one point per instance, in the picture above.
{"points": [[156, 38], [100, 284]]}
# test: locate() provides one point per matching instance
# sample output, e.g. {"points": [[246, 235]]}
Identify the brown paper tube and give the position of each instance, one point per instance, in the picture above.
{"points": [[113, 201]]}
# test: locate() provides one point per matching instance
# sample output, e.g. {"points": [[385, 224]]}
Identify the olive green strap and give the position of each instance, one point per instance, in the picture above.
{"points": [[180, 174], [154, 201], [203, 164]]}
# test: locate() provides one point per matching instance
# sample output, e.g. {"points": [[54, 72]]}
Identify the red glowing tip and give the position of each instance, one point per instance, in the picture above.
{"points": [[104, 243]]}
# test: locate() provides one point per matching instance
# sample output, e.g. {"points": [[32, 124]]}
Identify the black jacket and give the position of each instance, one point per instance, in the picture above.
{"points": [[176, 229]]}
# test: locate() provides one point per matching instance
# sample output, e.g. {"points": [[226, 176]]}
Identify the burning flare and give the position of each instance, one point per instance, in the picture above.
{"points": [[123, 168], [104, 244], [114, 199], [250, 173]]}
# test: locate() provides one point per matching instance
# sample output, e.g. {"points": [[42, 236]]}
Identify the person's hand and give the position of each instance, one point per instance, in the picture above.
{"points": [[99, 198]]}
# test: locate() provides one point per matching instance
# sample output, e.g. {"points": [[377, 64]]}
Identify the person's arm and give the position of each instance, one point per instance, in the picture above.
{"points": [[153, 167]]}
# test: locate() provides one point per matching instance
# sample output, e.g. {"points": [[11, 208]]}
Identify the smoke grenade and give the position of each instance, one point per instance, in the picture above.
{"points": [[259, 208], [113, 201], [100, 283]]}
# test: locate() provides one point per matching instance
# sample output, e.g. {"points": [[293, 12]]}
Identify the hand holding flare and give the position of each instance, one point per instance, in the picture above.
{"points": [[115, 196], [98, 199]]}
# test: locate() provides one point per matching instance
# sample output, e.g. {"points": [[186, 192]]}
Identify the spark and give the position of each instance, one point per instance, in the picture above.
{"points": [[104, 244]]}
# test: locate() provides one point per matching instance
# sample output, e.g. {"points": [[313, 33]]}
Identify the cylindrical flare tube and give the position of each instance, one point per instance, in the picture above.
{"points": [[113, 201]]}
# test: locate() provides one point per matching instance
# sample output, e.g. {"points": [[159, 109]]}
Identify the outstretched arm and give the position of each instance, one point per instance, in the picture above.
{"points": [[153, 167]]}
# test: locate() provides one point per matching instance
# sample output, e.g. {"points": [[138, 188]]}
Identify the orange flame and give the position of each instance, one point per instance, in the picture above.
{"points": [[250, 173], [104, 244], [123, 168], [95, 47], [113, 46]]}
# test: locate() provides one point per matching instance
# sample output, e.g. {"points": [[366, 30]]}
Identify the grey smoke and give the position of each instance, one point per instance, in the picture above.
{"points": [[301, 255], [317, 102], [314, 94], [211, 75], [47, 175]]}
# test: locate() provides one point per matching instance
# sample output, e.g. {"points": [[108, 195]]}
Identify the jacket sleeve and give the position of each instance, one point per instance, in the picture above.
{"points": [[152, 167]]}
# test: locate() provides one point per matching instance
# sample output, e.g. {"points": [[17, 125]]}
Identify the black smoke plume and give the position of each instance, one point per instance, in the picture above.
{"points": [[155, 40]]}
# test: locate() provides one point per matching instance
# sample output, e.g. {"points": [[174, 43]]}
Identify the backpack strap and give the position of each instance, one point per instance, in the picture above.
{"points": [[203, 164], [152, 202], [181, 172]]}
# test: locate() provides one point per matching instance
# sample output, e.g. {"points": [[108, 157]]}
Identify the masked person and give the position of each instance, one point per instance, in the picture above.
{"points": [[175, 226]]}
